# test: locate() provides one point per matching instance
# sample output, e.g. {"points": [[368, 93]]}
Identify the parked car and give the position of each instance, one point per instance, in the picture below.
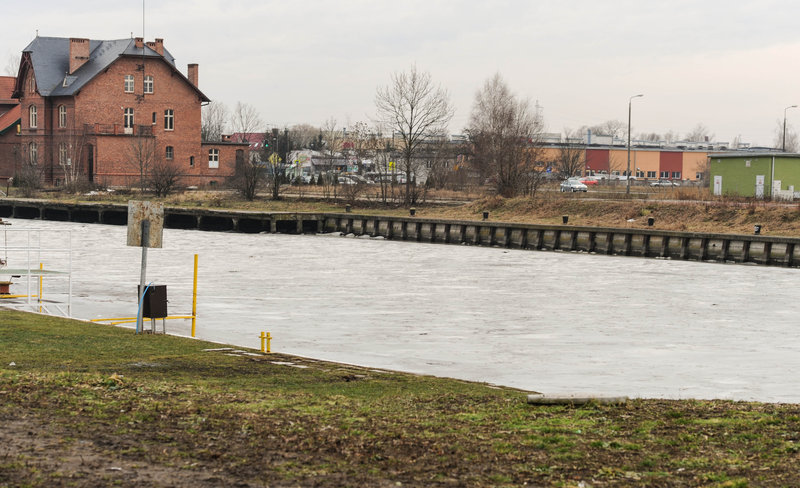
{"points": [[589, 181], [667, 183], [573, 185]]}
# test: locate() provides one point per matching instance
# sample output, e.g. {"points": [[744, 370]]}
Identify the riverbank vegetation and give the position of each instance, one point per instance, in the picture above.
{"points": [[93, 405]]}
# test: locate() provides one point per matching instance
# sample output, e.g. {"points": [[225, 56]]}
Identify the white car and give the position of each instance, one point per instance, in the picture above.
{"points": [[573, 185]]}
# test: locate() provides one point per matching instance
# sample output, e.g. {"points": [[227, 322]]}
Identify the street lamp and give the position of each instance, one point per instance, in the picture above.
{"points": [[784, 126], [628, 179]]}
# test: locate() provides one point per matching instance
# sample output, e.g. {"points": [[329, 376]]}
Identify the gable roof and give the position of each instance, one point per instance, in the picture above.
{"points": [[50, 59], [6, 89], [10, 119]]}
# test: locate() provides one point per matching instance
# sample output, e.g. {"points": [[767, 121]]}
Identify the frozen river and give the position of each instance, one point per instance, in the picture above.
{"points": [[542, 321]]}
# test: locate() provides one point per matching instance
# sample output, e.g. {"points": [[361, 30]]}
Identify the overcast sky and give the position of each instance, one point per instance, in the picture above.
{"points": [[732, 66]]}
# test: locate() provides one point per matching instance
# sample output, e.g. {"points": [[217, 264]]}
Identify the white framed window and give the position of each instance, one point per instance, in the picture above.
{"points": [[62, 116], [148, 84], [128, 83], [665, 174], [651, 174], [31, 84], [127, 118], [33, 119], [169, 152], [33, 151], [169, 119], [676, 175], [63, 155], [213, 158]]}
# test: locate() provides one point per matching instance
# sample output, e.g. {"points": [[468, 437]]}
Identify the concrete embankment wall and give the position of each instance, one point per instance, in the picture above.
{"points": [[652, 243]]}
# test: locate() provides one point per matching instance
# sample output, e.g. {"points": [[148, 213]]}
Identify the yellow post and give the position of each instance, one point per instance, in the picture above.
{"points": [[263, 336], [194, 297], [41, 279], [269, 339]]}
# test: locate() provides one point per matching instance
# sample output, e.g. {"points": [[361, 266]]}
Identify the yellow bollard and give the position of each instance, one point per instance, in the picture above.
{"points": [[194, 297], [263, 336], [269, 339], [41, 283]]}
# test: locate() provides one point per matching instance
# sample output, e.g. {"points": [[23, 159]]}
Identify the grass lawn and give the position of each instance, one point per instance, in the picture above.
{"points": [[93, 405]]}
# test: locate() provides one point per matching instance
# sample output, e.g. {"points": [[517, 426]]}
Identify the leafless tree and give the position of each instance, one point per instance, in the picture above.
{"points": [[164, 177], [505, 135], [215, 115], [333, 141], [304, 136], [142, 155], [792, 141], [249, 177], [412, 107], [245, 120], [28, 172], [12, 65], [70, 147], [700, 133], [440, 157], [571, 157]]}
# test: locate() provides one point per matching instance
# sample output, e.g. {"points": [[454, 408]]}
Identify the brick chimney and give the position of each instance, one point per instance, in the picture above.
{"points": [[78, 53], [139, 42], [157, 46], [193, 73]]}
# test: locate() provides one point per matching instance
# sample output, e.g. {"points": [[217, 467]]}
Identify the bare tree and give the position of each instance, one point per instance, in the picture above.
{"points": [[249, 177], [415, 109], [28, 172], [792, 141], [245, 120], [304, 136], [12, 65], [333, 142], [571, 157], [700, 133], [70, 147], [505, 135], [164, 177], [215, 115], [142, 156]]}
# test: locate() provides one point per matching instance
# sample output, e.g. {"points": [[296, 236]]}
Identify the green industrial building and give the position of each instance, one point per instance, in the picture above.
{"points": [[765, 174]]}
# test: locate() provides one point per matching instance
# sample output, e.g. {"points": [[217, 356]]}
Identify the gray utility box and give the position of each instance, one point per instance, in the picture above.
{"points": [[154, 305]]}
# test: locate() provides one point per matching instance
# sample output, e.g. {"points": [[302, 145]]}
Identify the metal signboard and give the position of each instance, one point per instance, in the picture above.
{"points": [[139, 213]]}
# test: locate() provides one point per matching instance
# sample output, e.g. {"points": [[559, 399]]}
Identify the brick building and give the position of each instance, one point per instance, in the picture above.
{"points": [[9, 122], [104, 110]]}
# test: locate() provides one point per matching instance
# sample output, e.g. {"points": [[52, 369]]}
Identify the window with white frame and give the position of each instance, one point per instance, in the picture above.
{"points": [[148, 84], [665, 174], [676, 175], [63, 158], [127, 119], [62, 116], [33, 152], [213, 158], [33, 119], [651, 174], [169, 119], [169, 153], [31, 84], [128, 83]]}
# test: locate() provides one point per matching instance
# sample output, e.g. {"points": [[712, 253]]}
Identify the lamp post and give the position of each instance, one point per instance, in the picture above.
{"points": [[628, 179], [783, 148]]}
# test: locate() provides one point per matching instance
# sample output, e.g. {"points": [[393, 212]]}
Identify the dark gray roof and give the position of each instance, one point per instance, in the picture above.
{"points": [[50, 58]]}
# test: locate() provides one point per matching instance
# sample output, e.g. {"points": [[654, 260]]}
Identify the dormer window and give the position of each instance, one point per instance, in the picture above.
{"points": [[31, 84], [148, 84], [128, 83]]}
